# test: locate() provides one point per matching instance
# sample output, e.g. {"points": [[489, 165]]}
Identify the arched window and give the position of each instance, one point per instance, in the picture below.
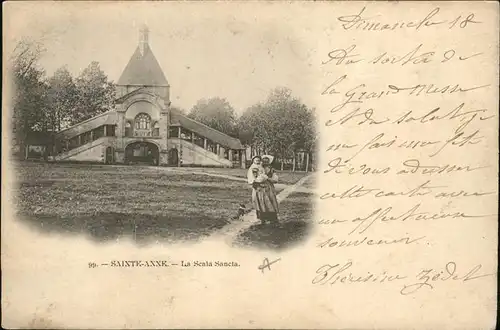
{"points": [[156, 129], [142, 122], [142, 125]]}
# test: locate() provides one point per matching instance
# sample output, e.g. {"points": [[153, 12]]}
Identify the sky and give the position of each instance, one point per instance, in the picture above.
{"points": [[236, 52]]}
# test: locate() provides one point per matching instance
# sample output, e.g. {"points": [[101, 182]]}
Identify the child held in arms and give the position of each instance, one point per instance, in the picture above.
{"points": [[256, 172]]}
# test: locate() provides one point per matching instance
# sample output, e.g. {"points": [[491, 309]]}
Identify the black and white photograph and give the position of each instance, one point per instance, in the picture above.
{"points": [[146, 136]]}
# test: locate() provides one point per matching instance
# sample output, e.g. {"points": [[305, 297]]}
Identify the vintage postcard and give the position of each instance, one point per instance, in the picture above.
{"points": [[312, 165]]}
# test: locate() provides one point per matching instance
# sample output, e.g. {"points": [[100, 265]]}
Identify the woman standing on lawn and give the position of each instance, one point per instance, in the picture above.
{"points": [[262, 178]]}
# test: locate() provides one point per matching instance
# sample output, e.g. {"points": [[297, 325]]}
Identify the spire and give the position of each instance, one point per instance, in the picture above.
{"points": [[143, 39], [143, 69]]}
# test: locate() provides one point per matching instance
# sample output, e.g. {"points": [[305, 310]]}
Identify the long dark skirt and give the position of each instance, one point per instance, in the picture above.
{"points": [[265, 202]]}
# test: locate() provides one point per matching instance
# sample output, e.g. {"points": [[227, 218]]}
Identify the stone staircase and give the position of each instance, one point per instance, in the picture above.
{"points": [[94, 151], [194, 154]]}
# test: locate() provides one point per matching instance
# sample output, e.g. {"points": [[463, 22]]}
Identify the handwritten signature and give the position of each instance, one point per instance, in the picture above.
{"points": [[429, 277]]}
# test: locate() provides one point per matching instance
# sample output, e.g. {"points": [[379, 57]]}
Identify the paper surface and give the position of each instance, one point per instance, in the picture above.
{"points": [[404, 231]]}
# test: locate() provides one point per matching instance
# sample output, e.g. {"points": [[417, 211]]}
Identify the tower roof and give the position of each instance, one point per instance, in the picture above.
{"points": [[143, 69]]}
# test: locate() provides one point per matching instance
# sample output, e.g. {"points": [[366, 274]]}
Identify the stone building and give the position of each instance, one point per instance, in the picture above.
{"points": [[144, 128]]}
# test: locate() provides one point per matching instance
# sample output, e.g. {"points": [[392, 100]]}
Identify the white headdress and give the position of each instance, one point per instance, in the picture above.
{"points": [[271, 158]]}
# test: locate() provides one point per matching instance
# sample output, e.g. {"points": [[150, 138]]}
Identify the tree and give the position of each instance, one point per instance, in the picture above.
{"points": [[281, 125], [28, 90], [25, 57], [63, 97], [47, 105], [96, 94], [284, 118], [252, 129], [217, 113]]}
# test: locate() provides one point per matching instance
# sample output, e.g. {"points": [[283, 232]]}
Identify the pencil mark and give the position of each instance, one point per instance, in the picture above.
{"points": [[266, 264]]}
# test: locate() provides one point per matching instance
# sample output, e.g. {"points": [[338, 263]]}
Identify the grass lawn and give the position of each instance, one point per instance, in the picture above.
{"points": [[284, 176], [108, 202], [105, 201], [296, 212]]}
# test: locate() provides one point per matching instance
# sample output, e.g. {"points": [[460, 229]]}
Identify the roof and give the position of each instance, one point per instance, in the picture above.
{"points": [[140, 90], [177, 118], [107, 118], [143, 69]]}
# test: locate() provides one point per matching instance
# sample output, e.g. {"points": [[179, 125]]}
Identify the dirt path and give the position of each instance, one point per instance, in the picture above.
{"points": [[234, 228], [290, 189]]}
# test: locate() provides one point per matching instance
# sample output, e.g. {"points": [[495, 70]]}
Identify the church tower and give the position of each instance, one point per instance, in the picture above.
{"points": [[142, 107], [144, 71]]}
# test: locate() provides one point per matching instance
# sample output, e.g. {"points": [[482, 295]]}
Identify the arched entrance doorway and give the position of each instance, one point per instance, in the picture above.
{"points": [[142, 153], [173, 157]]}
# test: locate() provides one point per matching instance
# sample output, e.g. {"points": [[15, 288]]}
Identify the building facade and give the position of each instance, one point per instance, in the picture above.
{"points": [[144, 128]]}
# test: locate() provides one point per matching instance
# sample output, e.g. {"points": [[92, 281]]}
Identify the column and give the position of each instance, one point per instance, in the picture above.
{"points": [[163, 126], [179, 134], [92, 135], [163, 158], [105, 130], [243, 156], [179, 154], [67, 145], [205, 144], [79, 140], [230, 154], [192, 137], [218, 149]]}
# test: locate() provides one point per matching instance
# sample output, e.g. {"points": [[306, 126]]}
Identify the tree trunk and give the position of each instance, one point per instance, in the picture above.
{"points": [[25, 144], [307, 162], [282, 163], [293, 166]]}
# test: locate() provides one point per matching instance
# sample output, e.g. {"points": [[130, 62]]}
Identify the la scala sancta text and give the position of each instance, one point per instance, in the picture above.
{"points": [[209, 263]]}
